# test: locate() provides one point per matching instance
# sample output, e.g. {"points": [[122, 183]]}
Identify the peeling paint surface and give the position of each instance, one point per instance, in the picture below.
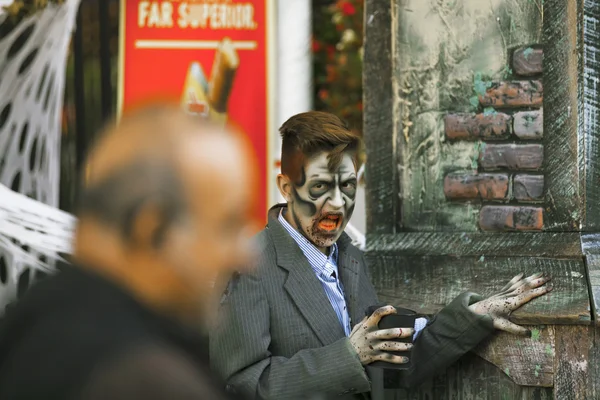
{"points": [[446, 53]]}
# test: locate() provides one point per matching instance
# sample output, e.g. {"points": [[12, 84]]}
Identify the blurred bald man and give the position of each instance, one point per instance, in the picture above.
{"points": [[165, 211]]}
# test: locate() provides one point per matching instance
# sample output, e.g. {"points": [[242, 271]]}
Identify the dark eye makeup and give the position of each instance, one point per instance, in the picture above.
{"points": [[318, 189], [349, 187]]}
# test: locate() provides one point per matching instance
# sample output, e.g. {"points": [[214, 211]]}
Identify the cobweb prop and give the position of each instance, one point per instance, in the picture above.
{"points": [[32, 79], [46, 229]]}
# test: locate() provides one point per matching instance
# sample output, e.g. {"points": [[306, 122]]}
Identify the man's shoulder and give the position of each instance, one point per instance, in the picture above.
{"points": [[346, 246], [265, 253], [152, 370], [263, 244], [262, 240]]}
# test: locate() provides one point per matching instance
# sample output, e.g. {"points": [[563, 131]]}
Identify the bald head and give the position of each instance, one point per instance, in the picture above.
{"points": [[168, 193], [148, 159]]}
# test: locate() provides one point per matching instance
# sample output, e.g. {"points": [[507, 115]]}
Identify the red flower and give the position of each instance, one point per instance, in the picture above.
{"points": [[331, 73], [348, 9], [316, 46], [330, 52], [323, 94]]}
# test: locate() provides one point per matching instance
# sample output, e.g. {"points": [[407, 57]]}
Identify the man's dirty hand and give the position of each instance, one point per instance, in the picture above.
{"points": [[516, 293], [374, 344]]}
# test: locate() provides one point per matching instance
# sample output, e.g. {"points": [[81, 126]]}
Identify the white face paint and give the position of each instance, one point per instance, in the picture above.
{"points": [[323, 201]]}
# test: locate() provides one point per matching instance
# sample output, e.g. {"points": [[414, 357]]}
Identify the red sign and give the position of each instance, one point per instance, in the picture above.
{"points": [[211, 55]]}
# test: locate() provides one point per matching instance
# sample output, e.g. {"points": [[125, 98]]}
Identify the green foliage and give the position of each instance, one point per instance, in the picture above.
{"points": [[337, 56]]}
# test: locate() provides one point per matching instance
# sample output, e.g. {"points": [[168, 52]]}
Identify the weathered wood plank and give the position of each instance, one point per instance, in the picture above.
{"points": [[527, 361], [572, 379], [577, 362], [471, 378], [563, 244], [426, 284], [590, 245], [592, 263], [564, 209], [594, 363], [382, 185], [589, 126]]}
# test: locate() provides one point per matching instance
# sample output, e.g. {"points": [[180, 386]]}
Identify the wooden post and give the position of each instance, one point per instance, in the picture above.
{"points": [[481, 126]]}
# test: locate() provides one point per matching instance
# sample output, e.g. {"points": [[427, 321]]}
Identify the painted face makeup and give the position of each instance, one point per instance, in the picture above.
{"points": [[323, 201]]}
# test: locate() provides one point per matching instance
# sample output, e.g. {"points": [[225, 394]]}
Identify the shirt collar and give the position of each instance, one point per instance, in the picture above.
{"points": [[316, 259]]}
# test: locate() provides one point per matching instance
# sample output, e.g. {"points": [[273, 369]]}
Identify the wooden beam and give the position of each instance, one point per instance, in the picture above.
{"points": [[590, 245], [427, 284], [473, 378], [527, 361], [563, 180], [572, 368], [382, 186], [589, 106], [563, 244]]}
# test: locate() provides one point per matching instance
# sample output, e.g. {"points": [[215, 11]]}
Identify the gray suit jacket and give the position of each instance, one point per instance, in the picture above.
{"points": [[279, 338]]}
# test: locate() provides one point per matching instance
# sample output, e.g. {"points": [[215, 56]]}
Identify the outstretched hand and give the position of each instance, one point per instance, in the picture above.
{"points": [[373, 344], [516, 293]]}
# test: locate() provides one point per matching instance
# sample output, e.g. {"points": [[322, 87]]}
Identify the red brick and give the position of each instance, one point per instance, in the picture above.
{"points": [[512, 156], [528, 187], [511, 218], [465, 186], [529, 124], [528, 61], [513, 94], [477, 126]]}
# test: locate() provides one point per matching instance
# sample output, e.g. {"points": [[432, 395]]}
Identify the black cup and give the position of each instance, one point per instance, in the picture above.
{"points": [[384, 374], [403, 319]]}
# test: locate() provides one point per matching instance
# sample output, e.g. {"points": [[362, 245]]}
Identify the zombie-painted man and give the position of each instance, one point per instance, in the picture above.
{"points": [[296, 326]]}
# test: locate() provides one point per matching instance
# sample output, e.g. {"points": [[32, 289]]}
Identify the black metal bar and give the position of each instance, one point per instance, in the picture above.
{"points": [[105, 60], [81, 134]]}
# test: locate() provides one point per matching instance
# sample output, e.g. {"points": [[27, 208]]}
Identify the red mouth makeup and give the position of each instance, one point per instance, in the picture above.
{"points": [[330, 222]]}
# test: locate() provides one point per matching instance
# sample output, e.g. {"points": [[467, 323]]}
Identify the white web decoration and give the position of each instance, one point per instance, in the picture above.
{"points": [[32, 79], [44, 228]]}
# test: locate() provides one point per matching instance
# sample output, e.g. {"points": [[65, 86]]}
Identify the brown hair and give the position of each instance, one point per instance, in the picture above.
{"points": [[309, 133]]}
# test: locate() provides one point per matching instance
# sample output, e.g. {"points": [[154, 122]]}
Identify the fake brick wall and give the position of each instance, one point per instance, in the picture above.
{"points": [[509, 181]]}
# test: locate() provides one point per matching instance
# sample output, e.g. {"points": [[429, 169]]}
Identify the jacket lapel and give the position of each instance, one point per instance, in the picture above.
{"points": [[349, 268], [305, 290]]}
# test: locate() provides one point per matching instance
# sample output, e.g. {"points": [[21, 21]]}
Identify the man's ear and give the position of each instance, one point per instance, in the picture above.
{"points": [[147, 228], [285, 187]]}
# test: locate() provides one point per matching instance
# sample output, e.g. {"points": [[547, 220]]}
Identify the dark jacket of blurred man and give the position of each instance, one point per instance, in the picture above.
{"points": [[293, 327], [165, 210]]}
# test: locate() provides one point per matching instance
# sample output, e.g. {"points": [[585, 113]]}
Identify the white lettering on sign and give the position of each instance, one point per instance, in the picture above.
{"points": [[207, 14], [216, 16], [155, 14]]}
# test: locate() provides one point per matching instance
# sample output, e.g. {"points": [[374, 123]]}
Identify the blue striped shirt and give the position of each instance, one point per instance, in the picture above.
{"points": [[326, 269]]}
